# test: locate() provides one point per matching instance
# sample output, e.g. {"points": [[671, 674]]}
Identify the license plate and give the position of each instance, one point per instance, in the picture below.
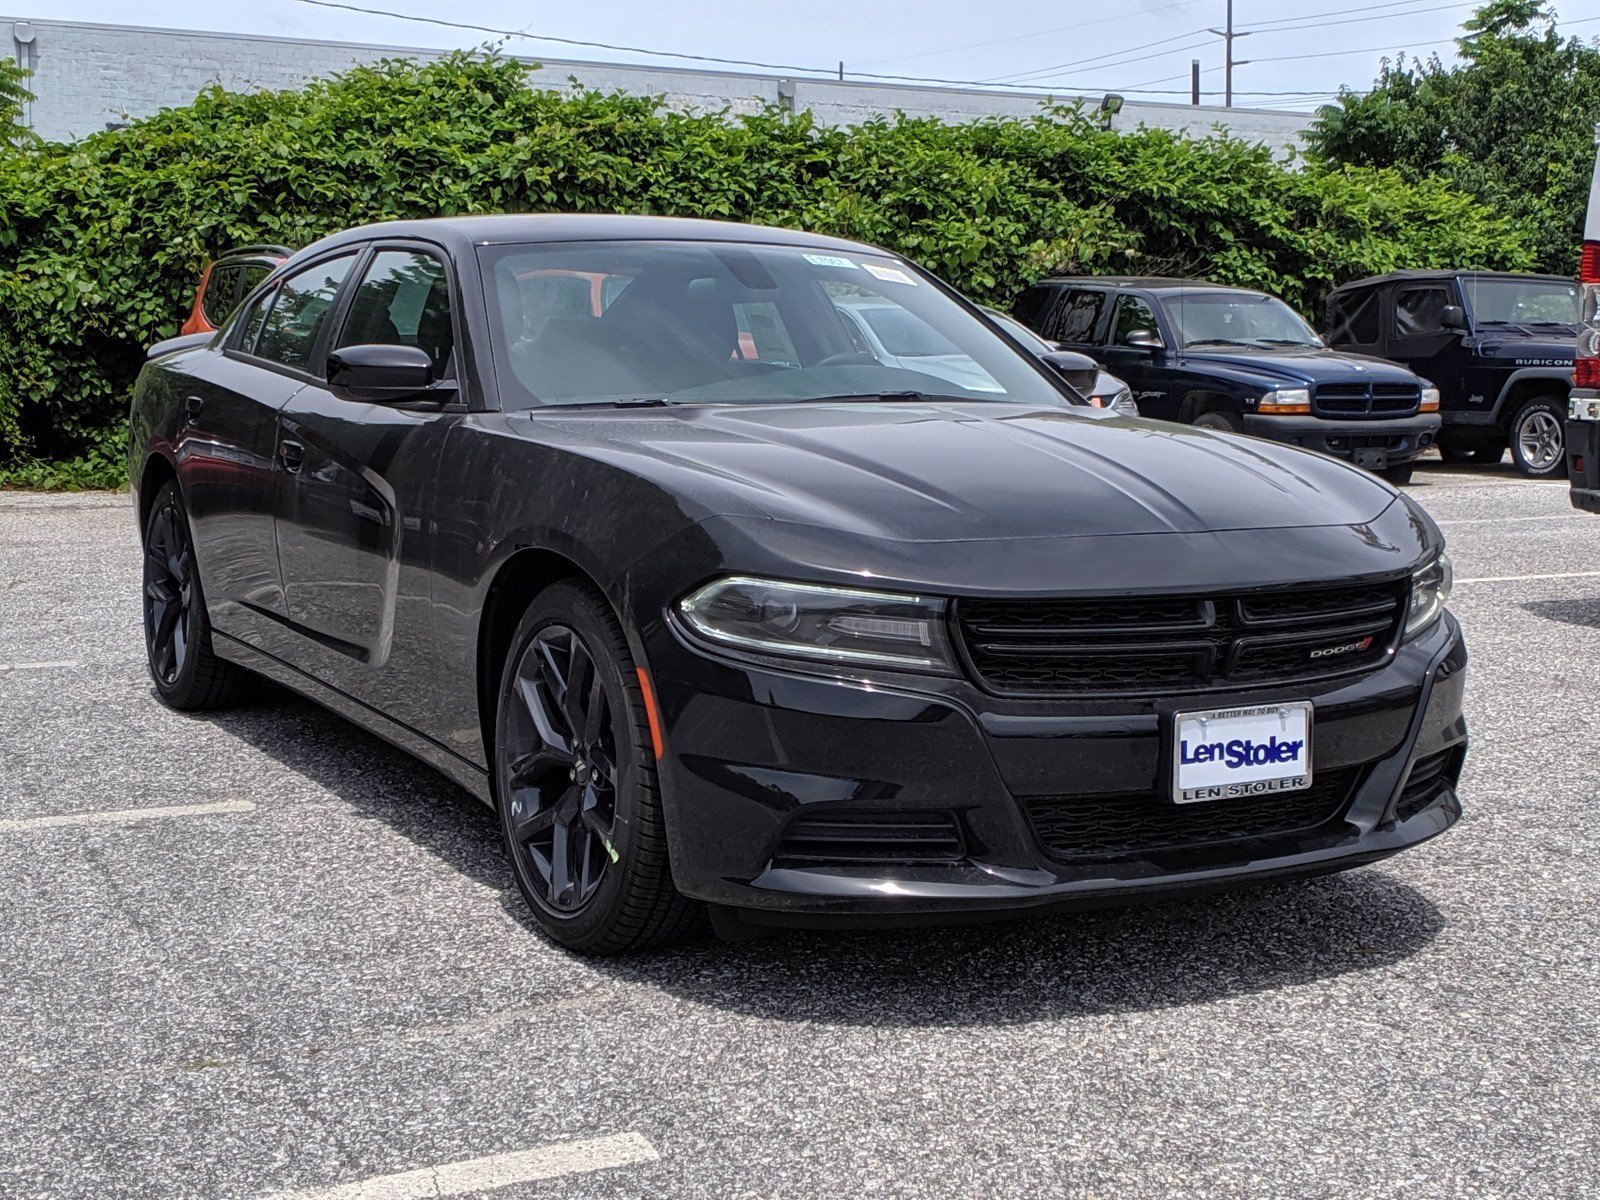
{"points": [[1226, 753]]}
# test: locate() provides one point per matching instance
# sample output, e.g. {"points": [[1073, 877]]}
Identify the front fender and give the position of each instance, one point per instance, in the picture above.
{"points": [[1559, 378]]}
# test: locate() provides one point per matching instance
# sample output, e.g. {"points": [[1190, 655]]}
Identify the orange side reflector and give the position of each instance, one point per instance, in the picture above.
{"points": [[652, 714]]}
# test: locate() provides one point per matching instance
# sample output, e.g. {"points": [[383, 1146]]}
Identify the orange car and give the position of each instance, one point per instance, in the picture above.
{"points": [[227, 281]]}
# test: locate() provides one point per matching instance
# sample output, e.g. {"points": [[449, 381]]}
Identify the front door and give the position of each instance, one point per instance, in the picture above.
{"points": [[1142, 367], [1419, 340], [356, 531]]}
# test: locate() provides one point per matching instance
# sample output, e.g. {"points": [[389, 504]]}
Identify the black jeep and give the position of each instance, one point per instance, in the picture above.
{"points": [[1498, 347], [1230, 358]]}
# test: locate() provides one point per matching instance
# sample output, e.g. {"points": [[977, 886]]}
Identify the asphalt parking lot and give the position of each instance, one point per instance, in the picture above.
{"points": [[263, 954]]}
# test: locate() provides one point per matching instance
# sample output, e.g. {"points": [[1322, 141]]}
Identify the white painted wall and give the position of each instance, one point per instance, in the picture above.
{"points": [[88, 76]]}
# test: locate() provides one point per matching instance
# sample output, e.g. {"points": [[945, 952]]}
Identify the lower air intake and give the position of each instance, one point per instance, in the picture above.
{"points": [[870, 839]]}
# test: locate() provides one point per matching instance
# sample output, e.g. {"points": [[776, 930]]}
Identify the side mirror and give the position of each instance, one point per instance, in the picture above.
{"points": [[1077, 369], [1453, 318], [379, 374], [1143, 339]]}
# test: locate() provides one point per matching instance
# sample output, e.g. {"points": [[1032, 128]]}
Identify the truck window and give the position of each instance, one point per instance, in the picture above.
{"points": [[1353, 317], [1133, 314], [1419, 311], [1075, 315]]}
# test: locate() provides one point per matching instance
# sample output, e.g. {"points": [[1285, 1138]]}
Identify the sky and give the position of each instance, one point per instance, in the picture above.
{"points": [[1297, 53]]}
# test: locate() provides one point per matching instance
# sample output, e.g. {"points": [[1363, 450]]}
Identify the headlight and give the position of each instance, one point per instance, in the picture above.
{"points": [[1430, 588], [825, 624], [1121, 403], [1286, 400], [1430, 399]]}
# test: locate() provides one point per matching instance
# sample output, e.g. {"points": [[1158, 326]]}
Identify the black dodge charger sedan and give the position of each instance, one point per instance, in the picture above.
{"points": [[614, 522]]}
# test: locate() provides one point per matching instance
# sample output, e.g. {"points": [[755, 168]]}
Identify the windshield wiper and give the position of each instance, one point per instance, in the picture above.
{"points": [[627, 402], [882, 398], [1218, 342], [1291, 342], [1517, 325]]}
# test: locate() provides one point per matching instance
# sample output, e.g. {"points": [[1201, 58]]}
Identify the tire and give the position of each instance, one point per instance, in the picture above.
{"points": [[1399, 474], [1454, 453], [1538, 438], [1488, 456], [1219, 419], [177, 632], [575, 782]]}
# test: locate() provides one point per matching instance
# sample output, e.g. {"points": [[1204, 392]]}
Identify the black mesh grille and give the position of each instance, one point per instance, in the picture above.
{"points": [[1122, 825], [1365, 400], [1429, 777], [1166, 644], [865, 839]]}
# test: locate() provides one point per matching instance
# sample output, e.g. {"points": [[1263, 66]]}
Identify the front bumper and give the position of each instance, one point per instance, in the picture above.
{"points": [[1398, 439], [1583, 460], [751, 750]]}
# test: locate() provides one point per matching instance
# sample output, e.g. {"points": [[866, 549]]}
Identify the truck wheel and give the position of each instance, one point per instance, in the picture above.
{"points": [[1455, 454], [1399, 474], [1488, 456], [1538, 437], [1220, 420]]}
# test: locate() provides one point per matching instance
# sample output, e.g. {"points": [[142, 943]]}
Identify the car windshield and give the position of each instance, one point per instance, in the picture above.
{"points": [[1522, 301], [727, 323], [1238, 318]]}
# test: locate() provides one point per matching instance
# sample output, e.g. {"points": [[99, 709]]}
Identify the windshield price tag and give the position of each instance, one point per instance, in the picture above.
{"points": [[830, 260], [1231, 753], [889, 274]]}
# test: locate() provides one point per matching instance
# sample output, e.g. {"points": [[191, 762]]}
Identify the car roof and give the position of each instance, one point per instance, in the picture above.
{"points": [[1152, 283], [1418, 274], [511, 229]]}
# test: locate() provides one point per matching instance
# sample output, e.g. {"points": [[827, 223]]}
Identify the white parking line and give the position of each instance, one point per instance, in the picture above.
{"points": [[36, 666], [492, 1171], [117, 815], [1566, 516], [1521, 578]]}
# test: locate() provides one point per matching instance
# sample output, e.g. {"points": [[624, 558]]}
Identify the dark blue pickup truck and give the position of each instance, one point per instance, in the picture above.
{"points": [[1234, 359]]}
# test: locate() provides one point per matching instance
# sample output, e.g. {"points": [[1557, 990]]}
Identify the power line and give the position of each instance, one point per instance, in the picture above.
{"points": [[1083, 62], [1414, 12], [1032, 34], [1337, 12]]}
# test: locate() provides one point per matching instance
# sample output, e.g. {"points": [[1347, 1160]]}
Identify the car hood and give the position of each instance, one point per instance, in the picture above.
{"points": [[1535, 350], [968, 472], [1310, 365]]}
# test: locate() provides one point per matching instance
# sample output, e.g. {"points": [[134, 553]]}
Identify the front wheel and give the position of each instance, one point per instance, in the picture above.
{"points": [[1220, 420], [1399, 474], [1538, 437], [575, 782]]}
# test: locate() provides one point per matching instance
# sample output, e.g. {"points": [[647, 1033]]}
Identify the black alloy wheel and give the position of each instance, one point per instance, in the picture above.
{"points": [[576, 785], [177, 632]]}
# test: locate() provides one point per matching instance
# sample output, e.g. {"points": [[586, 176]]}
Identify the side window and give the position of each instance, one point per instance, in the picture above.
{"points": [[221, 293], [250, 274], [1075, 315], [1030, 306], [1353, 318], [249, 325], [1419, 311], [289, 334], [403, 300], [1133, 314]]}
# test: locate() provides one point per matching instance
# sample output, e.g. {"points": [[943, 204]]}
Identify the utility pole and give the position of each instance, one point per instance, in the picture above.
{"points": [[1194, 82], [1228, 61]]}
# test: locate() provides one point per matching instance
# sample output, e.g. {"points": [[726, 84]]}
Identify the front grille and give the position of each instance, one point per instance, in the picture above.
{"points": [[1429, 777], [1161, 645], [1365, 399], [1130, 824], [869, 839]]}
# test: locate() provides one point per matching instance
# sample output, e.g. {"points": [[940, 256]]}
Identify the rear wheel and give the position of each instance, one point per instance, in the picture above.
{"points": [[1538, 438], [177, 632], [575, 780]]}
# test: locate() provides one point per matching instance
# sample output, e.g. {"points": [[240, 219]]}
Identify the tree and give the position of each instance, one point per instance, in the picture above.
{"points": [[1512, 123], [12, 97]]}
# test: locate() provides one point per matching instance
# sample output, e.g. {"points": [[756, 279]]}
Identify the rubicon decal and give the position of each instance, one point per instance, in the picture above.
{"points": [[1343, 648]]}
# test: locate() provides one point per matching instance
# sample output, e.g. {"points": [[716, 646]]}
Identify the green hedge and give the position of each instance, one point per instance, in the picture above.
{"points": [[101, 241]]}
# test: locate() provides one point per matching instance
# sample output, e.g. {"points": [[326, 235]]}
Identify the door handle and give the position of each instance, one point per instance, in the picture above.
{"points": [[291, 455], [191, 409]]}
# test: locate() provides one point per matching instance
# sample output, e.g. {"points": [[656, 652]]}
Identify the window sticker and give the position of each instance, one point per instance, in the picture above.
{"points": [[829, 260], [889, 274]]}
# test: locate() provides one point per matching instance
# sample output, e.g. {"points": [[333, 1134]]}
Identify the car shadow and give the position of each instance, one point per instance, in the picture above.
{"points": [[1125, 960], [1581, 611]]}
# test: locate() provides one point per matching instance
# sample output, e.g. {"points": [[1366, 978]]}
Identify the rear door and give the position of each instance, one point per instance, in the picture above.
{"points": [[355, 528], [227, 454]]}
